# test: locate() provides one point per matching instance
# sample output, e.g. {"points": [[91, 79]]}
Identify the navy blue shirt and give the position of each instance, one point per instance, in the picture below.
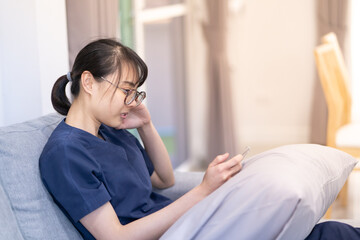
{"points": [[83, 172]]}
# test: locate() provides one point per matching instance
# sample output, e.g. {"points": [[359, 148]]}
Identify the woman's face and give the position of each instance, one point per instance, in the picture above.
{"points": [[109, 105]]}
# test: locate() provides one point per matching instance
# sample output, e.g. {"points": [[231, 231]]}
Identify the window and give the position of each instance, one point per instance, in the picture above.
{"points": [[157, 28], [159, 3]]}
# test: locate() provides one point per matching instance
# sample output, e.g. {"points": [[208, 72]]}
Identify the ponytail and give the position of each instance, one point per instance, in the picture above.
{"points": [[59, 99]]}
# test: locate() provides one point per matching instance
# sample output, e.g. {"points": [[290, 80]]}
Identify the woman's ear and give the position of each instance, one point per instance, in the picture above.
{"points": [[87, 82]]}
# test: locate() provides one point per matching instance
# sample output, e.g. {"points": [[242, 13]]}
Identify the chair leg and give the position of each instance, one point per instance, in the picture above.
{"points": [[343, 195], [328, 213]]}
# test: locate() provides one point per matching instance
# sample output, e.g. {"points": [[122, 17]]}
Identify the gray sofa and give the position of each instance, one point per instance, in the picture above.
{"points": [[27, 210]]}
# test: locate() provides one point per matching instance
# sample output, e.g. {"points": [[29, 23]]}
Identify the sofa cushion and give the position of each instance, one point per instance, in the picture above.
{"points": [[279, 194], [36, 214]]}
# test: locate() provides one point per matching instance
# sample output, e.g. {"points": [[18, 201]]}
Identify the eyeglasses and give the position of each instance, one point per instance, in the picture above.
{"points": [[131, 94]]}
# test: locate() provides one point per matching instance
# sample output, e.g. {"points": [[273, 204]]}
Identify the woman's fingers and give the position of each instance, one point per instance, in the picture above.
{"points": [[235, 169], [220, 170], [233, 166], [219, 159], [233, 161]]}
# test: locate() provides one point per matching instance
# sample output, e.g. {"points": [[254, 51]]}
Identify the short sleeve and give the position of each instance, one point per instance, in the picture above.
{"points": [[73, 178]]}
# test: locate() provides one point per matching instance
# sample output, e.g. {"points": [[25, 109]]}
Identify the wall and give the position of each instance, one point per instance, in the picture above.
{"points": [[33, 54], [355, 59], [90, 20], [273, 71]]}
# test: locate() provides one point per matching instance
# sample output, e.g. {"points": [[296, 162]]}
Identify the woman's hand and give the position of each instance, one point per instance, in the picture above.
{"points": [[137, 117], [219, 171]]}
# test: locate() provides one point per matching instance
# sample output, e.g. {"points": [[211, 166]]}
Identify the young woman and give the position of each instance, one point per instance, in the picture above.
{"points": [[98, 173]]}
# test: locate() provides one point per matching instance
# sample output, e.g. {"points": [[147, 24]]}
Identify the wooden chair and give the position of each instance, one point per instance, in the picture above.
{"points": [[342, 132]]}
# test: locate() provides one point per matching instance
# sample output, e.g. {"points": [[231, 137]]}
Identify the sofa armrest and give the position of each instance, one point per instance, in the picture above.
{"points": [[184, 182]]}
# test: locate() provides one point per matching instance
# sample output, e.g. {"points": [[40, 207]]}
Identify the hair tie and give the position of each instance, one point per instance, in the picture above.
{"points": [[68, 76]]}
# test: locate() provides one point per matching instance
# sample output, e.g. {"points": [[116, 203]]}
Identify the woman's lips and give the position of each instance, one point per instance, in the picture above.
{"points": [[124, 115]]}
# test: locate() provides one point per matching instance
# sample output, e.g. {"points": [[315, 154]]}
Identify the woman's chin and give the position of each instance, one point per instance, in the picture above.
{"points": [[120, 124]]}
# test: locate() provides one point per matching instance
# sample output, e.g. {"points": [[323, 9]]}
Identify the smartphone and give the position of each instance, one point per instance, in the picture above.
{"points": [[246, 151]]}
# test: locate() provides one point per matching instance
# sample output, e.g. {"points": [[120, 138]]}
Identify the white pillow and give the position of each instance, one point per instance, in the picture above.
{"points": [[279, 194]]}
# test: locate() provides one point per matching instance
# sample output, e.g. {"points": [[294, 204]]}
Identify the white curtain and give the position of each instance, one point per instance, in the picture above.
{"points": [[220, 118]]}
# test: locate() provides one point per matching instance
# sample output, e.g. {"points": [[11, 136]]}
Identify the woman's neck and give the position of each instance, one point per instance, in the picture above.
{"points": [[79, 117]]}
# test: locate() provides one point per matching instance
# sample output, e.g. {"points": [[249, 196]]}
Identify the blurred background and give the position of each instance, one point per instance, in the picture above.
{"points": [[223, 74]]}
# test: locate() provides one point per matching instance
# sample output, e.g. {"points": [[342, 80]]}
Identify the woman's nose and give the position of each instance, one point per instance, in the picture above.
{"points": [[132, 104]]}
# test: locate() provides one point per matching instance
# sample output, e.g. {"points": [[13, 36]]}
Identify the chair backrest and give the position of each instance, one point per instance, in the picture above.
{"points": [[334, 80], [332, 39]]}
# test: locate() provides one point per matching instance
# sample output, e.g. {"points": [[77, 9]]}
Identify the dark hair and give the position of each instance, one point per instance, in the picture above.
{"points": [[101, 58]]}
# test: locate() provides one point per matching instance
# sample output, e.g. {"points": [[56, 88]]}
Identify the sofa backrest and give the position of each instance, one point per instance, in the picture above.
{"points": [[8, 225], [27, 209]]}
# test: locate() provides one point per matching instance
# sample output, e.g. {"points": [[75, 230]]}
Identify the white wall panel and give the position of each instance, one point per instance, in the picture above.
{"points": [[33, 47]]}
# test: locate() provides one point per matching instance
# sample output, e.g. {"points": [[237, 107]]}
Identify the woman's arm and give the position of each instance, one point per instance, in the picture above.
{"points": [[103, 223], [163, 175], [139, 117]]}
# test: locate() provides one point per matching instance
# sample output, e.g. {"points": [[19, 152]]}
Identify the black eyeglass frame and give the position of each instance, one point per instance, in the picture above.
{"points": [[138, 96]]}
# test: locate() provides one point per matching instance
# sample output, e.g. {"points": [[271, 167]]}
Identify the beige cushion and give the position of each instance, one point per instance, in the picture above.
{"points": [[349, 135]]}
